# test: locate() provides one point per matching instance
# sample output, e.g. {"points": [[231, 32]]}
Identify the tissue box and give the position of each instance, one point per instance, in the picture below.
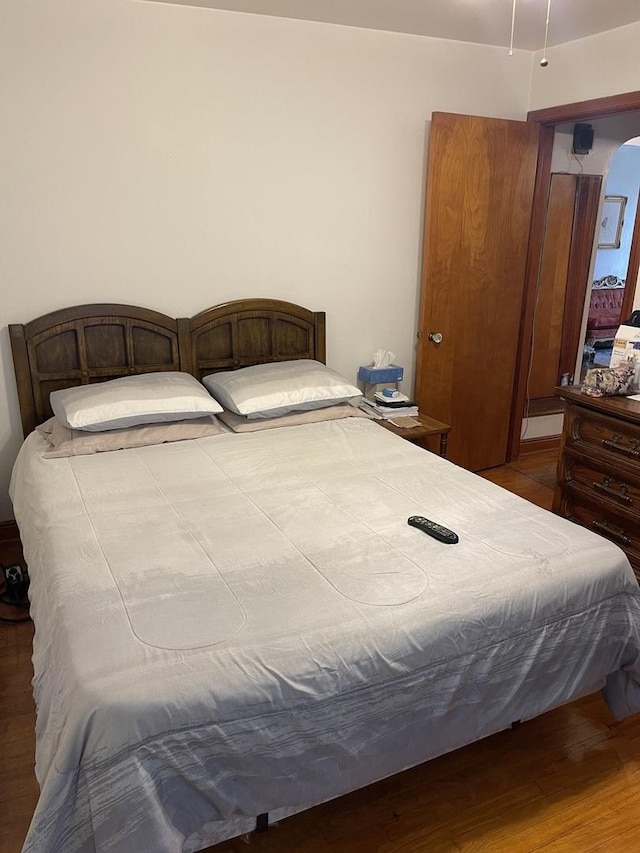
{"points": [[626, 350], [380, 375]]}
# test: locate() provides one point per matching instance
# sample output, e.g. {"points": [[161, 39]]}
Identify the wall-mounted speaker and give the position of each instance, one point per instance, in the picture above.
{"points": [[582, 138]]}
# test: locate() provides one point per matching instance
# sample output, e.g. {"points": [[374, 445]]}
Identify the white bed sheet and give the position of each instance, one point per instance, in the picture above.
{"points": [[245, 624]]}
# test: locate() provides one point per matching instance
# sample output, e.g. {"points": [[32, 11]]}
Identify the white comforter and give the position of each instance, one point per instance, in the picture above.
{"points": [[247, 624]]}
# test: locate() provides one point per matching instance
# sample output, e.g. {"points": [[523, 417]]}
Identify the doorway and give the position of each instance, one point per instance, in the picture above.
{"points": [[620, 107], [570, 226], [614, 272], [472, 252]]}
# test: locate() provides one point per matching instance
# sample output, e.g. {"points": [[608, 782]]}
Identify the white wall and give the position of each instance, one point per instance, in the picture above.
{"points": [[608, 135], [594, 67], [623, 179], [178, 157]]}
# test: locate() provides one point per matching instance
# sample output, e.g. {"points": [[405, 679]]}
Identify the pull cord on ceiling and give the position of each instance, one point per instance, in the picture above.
{"points": [[544, 61]]}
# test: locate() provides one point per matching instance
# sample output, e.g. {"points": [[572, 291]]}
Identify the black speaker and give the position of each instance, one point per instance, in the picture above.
{"points": [[582, 138]]}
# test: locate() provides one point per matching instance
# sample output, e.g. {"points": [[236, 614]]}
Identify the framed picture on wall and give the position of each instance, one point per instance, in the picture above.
{"points": [[612, 221]]}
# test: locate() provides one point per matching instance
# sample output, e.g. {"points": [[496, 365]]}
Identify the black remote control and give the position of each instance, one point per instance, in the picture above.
{"points": [[431, 528]]}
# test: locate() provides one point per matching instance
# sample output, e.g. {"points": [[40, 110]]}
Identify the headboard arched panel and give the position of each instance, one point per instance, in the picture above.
{"points": [[85, 344], [91, 343], [254, 331]]}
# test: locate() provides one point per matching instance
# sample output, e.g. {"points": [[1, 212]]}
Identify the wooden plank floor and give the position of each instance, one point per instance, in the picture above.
{"points": [[18, 787], [567, 782]]}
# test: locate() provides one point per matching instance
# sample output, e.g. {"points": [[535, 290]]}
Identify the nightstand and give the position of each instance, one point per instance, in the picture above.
{"points": [[428, 426]]}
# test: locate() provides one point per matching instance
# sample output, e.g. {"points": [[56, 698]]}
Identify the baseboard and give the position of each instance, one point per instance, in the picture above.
{"points": [[537, 445], [544, 406], [9, 531]]}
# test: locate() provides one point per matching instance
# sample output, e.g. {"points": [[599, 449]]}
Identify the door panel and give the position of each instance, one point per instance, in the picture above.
{"points": [[547, 329], [481, 175], [562, 286], [585, 220]]}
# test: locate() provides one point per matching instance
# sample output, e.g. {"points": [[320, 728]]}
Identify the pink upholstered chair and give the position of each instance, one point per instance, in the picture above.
{"points": [[604, 308]]}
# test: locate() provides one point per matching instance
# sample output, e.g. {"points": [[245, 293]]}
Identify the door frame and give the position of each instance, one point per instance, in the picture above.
{"points": [[589, 191], [633, 267], [548, 118]]}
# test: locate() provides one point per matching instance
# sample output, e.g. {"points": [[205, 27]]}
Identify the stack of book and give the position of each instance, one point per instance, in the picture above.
{"points": [[382, 407]]}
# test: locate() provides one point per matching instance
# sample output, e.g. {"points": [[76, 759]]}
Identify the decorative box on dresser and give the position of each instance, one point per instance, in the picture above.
{"points": [[599, 468]]}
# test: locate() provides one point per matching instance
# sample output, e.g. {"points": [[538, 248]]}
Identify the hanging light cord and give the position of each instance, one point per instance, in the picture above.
{"points": [[544, 61], [513, 26]]}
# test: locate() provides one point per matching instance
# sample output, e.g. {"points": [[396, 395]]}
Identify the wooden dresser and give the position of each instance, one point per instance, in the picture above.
{"points": [[599, 468]]}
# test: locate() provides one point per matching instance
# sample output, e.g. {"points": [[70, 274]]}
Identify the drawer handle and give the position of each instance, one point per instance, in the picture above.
{"points": [[616, 444], [613, 532], [620, 495]]}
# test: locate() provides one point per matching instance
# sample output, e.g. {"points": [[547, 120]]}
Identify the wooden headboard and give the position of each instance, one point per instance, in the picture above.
{"points": [[253, 331], [92, 343]]}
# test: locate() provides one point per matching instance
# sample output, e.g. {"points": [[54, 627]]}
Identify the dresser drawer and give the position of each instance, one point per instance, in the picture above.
{"points": [[614, 486], [599, 471], [610, 438], [624, 531]]}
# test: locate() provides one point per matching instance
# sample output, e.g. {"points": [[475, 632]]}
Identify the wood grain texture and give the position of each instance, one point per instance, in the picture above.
{"points": [[535, 445], [532, 273], [428, 429], [578, 284], [93, 343], [85, 344], [565, 782], [547, 330], [18, 786], [584, 110], [481, 175], [562, 287], [599, 470], [628, 410], [253, 331]]}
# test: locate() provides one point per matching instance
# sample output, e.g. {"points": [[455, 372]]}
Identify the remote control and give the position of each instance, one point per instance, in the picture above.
{"points": [[431, 528]]}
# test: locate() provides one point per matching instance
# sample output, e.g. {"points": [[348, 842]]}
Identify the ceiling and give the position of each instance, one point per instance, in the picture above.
{"points": [[480, 21]]}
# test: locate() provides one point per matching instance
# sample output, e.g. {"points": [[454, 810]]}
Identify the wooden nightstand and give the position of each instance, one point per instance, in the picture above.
{"points": [[428, 426]]}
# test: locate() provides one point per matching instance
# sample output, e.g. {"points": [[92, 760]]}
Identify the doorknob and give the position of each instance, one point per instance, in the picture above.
{"points": [[436, 337]]}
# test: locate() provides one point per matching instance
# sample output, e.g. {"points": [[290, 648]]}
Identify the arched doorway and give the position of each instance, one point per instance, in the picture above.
{"points": [[550, 119], [614, 282]]}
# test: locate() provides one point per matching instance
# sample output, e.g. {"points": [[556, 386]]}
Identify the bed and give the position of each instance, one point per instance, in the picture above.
{"points": [[234, 628]]}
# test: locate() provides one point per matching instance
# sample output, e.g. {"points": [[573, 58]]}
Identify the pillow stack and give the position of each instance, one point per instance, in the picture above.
{"points": [[135, 411], [148, 398], [266, 391], [155, 408]]}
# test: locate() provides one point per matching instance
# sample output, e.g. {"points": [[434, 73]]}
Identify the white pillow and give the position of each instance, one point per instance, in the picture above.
{"points": [[269, 390], [144, 399]]}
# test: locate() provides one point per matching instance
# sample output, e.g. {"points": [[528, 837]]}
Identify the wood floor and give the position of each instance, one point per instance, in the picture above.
{"points": [[567, 782]]}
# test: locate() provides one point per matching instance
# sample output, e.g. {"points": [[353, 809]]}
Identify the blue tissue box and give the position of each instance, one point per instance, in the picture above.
{"points": [[380, 375]]}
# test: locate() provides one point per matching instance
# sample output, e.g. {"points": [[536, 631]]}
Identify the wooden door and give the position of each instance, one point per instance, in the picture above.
{"points": [[552, 285], [585, 222], [562, 287], [480, 184]]}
